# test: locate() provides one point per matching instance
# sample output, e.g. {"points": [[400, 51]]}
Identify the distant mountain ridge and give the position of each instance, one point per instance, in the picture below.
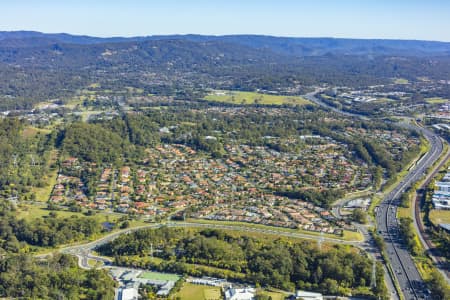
{"points": [[36, 66], [290, 46]]}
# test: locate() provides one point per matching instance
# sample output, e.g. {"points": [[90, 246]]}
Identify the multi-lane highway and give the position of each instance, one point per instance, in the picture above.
{"points": [[405, 270], [436, 256], [403, 267]]}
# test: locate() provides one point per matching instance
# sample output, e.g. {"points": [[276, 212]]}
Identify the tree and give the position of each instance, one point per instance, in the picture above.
{"points": [[359, 215], [438, 286]]}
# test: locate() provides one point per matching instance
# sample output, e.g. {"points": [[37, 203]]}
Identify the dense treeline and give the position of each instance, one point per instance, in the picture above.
{"points": [[323, 198], [22, 277], [23, 159], [438, 285], [55, 231], [16, 234], [277, 263], [409, 236], [59, 69], [56, 277], [94, 143]]}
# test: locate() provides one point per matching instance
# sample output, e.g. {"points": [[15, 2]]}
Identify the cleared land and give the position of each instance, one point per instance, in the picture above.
{"points": [[43, 193], [85, 115], [237, 97], [159, 276], [201, 292], [31, 131]]}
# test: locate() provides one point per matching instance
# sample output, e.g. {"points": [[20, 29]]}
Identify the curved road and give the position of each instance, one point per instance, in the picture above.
{"points": [[411, 284], [84, 251], [405, 271]]}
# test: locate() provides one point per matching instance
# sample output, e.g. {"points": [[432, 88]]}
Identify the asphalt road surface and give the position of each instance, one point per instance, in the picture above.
{"points": [[404, 269], [84, 251], [402, 264]]}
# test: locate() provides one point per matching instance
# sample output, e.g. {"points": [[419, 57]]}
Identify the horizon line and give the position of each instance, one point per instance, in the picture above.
{"points": [[224, 35]]}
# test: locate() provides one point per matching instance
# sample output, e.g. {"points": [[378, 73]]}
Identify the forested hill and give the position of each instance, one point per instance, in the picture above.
{"points": [[282, 45], [300, 47], [36, 66]]}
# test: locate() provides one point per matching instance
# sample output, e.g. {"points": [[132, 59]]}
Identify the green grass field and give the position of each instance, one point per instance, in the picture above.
{"points": [[401, 81], [274, 295], [85, 115], [32, 211], [237, 97], [43, 193], [94, 264], [440, 216], [159, 276], [383, 100], [404, 212], [31, 131], [74, 102], [436, 100], [191, 291]]}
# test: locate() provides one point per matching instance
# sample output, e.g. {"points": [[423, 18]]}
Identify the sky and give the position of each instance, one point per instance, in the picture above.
{"points": [[391, 19]]}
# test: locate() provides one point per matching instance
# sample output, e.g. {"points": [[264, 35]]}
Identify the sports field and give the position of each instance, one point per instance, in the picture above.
{"points": [[199, 292], [238, 97], [159, 276], [401, 81], [436, 100], [440, 216]]}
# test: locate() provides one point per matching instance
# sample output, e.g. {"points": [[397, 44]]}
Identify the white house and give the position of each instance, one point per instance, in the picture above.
{"points": [[240, 294]]}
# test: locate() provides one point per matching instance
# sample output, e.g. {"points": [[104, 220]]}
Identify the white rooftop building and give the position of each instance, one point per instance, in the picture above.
{"points": [[441, 197], [446, 177], [308, 295], [129, 294], [443, 186], [441, 202], [240, 294]]}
